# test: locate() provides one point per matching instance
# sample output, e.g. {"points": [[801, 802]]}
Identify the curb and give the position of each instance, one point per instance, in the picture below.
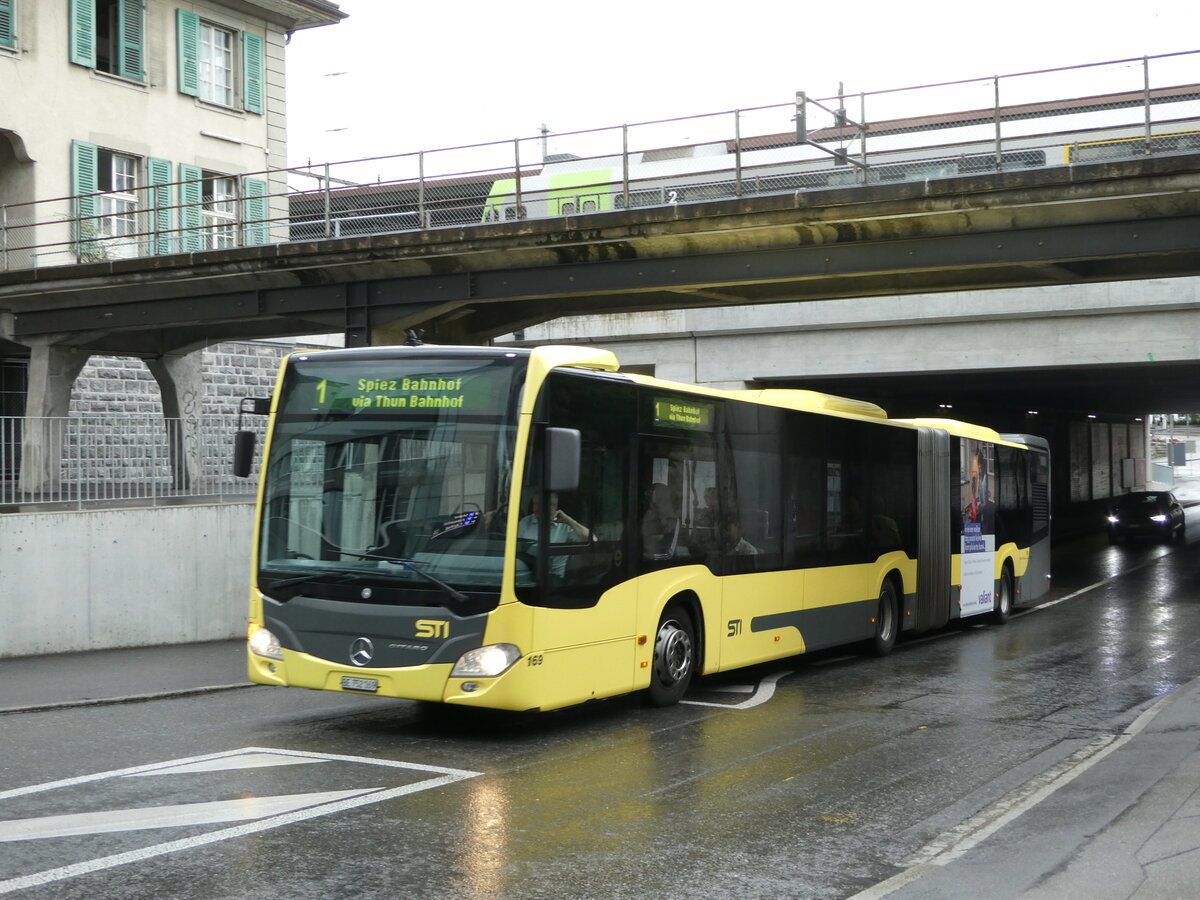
{"points": [[130, 698]]}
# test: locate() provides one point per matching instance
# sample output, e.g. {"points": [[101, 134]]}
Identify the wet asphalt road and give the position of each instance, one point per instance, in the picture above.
{"points": [[821, 789]]}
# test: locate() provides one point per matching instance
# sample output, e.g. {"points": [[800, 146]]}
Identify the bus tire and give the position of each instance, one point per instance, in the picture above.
{"points": [[1004, 597], [674, 657], [887, 620]]}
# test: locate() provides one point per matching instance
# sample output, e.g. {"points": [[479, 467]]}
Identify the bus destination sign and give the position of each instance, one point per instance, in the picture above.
{"points": [[425, 392], [680, 413]]}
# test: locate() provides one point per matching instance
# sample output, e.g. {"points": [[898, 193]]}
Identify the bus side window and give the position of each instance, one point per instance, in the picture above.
{"points": [[679, 511]]}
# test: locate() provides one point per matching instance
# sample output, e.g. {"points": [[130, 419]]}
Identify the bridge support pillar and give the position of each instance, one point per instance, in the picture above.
{"points": [[52, 372], [180, 382]]}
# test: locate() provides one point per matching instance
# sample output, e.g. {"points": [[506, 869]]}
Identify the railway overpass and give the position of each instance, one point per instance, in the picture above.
{"points": [[933, 243]]}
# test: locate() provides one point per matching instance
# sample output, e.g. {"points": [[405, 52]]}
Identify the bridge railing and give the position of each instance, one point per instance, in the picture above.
{"points": [[142, 459], [1054, 117]]}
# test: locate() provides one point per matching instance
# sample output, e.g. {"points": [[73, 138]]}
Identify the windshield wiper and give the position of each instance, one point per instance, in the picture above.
{"points": [[453, 593], [409, 565], [315, 576], [300, 579]]}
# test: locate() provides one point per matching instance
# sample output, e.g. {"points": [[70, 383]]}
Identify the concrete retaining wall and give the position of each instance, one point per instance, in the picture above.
{"points": [[123, 577]]}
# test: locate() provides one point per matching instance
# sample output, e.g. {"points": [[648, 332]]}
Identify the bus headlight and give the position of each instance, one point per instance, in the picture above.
{"points": [[486, 662], [263, 643]]}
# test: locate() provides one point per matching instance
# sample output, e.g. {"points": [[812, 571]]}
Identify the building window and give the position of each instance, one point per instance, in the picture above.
{"points": [[216, 64], [8, 28], [209, 69], [117, 224], [219, 211], [109, 36], [104, 185]]}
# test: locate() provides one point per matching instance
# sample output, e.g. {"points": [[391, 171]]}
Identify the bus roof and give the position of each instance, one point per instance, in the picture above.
{"points": [[960, 429]]}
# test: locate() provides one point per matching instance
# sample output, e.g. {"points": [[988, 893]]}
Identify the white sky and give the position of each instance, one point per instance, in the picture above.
{"points": [[441, 73]]}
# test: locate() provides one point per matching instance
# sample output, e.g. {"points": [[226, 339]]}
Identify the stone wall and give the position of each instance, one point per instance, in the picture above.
{"points": [[232, 370]]}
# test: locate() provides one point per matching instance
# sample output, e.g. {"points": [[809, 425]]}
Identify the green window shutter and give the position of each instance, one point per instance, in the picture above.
{"points": [[131, 40], [83, 32], [253, 77], [191, 202], [7, 28], [85, 227], [254, 210], [162, 215], [188, 36]]}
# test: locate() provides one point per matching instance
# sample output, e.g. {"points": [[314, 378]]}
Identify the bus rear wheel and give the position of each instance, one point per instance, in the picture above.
{"points": [[887, 621], [1004, 598], [674, 657]]}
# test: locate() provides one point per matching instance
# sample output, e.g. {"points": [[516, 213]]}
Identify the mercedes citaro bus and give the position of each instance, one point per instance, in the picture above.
{"points": [[526, 529]]}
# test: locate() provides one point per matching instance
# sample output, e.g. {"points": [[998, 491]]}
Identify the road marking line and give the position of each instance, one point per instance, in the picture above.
{"points": [[444, 776], [208, 813], [1091, 587], [244, 761], [956, 842]]}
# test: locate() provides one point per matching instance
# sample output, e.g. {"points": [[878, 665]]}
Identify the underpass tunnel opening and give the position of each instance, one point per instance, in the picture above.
{"points": [[1098, 421]]}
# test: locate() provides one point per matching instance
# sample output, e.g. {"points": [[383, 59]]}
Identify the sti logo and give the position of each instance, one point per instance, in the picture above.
{"points": [[433, 628], [735, 628]]}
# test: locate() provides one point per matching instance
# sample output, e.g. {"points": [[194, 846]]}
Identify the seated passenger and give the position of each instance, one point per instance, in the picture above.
{"points": [[660, 523]]}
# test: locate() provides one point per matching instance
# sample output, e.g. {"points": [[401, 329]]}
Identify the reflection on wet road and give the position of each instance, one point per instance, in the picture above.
{"points": [[814, 777]]}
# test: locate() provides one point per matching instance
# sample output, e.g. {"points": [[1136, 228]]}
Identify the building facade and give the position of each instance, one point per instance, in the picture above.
{"points": [[158, 117], [155, 124]]}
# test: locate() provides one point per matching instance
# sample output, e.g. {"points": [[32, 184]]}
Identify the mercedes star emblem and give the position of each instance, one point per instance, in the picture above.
{"points": [[362, 651]]}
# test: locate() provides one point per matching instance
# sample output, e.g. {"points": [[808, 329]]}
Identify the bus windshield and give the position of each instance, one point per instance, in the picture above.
{"points": [[387, 478]]}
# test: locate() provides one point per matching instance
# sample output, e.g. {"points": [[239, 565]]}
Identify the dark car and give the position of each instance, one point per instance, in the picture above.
{"points": [[1155, 514]]}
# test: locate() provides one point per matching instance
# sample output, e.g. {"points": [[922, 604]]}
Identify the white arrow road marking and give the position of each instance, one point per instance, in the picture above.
{"points": [[240, 761], [293, 808], [218, 811]]}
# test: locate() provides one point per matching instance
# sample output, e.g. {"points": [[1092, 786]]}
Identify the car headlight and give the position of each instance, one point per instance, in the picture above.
{"points": [[264, 643], [1158, 519], [1113, 520], [486, 662]]}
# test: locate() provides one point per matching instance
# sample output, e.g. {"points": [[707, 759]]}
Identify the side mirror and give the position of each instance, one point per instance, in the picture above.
{"points": [[562, 459], [243, 453], [243, 441]]}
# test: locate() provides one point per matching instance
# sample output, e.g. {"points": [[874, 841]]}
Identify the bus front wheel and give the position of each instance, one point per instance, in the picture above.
{"points": [[674, 657]]}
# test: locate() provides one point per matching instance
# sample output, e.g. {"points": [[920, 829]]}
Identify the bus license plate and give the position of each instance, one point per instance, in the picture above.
{"points": [[350, 683]]}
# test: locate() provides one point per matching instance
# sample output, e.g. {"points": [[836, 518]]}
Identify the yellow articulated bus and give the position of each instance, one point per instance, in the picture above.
{"points": [[529, 529]]}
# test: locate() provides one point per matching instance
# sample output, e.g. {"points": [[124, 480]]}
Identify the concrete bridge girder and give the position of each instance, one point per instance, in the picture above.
{"points": [[1105, 221]]}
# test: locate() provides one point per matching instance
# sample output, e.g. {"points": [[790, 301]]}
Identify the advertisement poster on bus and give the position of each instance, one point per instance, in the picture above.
{"points": [[977, 494]]}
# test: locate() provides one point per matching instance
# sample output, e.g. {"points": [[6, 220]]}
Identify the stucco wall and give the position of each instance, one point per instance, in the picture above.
{"points": [[63, 102], [123, 577], [1056, 326]]}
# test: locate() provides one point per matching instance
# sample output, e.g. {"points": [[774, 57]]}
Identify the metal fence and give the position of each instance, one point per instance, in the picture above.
{"points": [[1054, 117], [144, 459]]}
